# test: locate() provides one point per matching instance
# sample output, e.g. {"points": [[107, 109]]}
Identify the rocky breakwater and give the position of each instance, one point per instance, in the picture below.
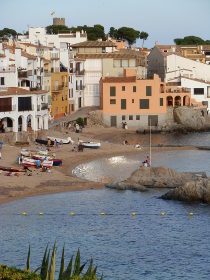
{"points": [[183, 186]]}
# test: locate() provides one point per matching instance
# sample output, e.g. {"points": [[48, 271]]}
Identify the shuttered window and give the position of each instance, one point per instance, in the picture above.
{"points": [[123, 104], [148, 90], [112, 91], [161, 101], [112, 101], [6, 104], [144, 103]]}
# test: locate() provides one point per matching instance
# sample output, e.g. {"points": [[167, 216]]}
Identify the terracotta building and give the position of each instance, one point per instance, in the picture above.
{"points": [[139, 102]]}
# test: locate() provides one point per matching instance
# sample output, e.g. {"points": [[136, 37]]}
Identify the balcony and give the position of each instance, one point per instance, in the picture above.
{"points": [[10, 69], [55, 69], [80, 72], [54, 56], [57, 88], [78, 88], [178, 90]]}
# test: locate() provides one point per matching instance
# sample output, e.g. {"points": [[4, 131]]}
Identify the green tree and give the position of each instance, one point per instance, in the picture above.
{"points": [[143, 36], [56, 29], [190, 40], [129, 34], [7, 33], [113, 33]]}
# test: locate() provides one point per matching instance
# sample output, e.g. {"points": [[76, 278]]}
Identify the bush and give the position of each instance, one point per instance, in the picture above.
{"points": [[80, 122]]}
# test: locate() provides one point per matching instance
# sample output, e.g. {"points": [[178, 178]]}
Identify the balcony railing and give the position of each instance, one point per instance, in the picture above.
{"points": [[10, 69], [54, 56], [47, 74], [57, 88], [178, 90], [80, 72]]}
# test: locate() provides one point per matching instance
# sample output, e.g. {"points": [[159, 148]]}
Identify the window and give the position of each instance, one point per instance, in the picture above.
{"points": [[80, 84], [123, 104], [198, 91], [24, 104], [6, 104], [123, 118], [134, 88], [112, 91], [144, 103], [112, 101], [56, 85], [148, 90], [161, 101], [137, 117], [2, 81], [117, 63], [130, 118], [123, 88], [124, 63], [132, 100]]}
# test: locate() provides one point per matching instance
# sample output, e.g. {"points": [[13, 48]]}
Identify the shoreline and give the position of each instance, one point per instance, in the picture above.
{"points": [[61, 179]]}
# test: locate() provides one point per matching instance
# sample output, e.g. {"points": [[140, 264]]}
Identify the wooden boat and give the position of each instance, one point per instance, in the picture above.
{"points": [[90, 145], [29, 153], [44, 142], [30, 162], [11, 169], [67, 140], [56, 162]]}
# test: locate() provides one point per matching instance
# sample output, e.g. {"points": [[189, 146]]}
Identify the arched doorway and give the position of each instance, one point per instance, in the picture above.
{"points": [[186, 100], [169, 101], [7, 125], [178, 101], [29, 123], [20, 123]]}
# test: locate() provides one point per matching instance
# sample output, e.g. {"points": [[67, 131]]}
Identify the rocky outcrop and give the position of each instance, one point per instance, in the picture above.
{"points": [[191, 191], [184, 186], [154, 177], [191, 118]]}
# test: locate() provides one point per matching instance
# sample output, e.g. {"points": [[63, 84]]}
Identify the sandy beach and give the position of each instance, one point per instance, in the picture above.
{"points": [[61, 178]]}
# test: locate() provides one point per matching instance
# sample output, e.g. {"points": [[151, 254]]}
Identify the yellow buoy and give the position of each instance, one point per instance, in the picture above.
{"points": [[41, 213], [162, 214], [71, 213], [133, 214], [191, 214], [24, 213], [102, 213]]}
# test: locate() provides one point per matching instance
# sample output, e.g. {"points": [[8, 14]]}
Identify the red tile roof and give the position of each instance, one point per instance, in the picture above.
{"points": [[131, 79], [94, 44]]}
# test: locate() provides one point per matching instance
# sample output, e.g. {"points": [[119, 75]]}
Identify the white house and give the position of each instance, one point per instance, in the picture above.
{"points": [[38, 35], [23, 110]]}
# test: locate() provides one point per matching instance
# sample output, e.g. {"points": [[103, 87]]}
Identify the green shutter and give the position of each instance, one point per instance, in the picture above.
{"points": [[144, 103], [148, 90], [134, 88], [112, 91], [161, 101], [123, 104]]}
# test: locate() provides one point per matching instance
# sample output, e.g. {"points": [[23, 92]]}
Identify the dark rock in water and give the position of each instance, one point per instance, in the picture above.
{"points": [[191, 191], [184, 186]]}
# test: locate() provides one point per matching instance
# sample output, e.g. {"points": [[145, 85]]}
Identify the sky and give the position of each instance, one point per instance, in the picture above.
{"points": [[163, 20]]}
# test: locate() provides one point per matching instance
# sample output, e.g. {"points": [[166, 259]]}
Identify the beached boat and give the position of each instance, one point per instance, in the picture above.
{"points": [[30, 162], [11, 169], [90, 145], [67, 140], [44, 142], [56, 162], [29, 153]]}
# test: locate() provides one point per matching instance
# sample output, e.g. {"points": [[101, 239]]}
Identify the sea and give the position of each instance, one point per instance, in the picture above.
{"points": [[133, 239]]}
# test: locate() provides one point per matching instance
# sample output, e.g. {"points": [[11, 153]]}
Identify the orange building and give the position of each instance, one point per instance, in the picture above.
{"points": [[139, 102]]}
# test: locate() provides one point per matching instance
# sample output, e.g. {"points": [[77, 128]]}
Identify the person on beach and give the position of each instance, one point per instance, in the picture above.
{"points": [[48, 143], [55, 144]]}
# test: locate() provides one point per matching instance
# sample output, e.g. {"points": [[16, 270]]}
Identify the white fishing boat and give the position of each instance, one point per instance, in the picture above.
{"points": [[90, 145], [29, 153], [67, 140], [36, 163]]}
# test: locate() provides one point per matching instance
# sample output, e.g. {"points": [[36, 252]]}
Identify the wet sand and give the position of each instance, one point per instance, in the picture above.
{"points": [[61, 178]]}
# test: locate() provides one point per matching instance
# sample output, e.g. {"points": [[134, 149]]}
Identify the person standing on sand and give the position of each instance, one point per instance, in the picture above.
{"points": [[48, 143], [55, 144]]}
